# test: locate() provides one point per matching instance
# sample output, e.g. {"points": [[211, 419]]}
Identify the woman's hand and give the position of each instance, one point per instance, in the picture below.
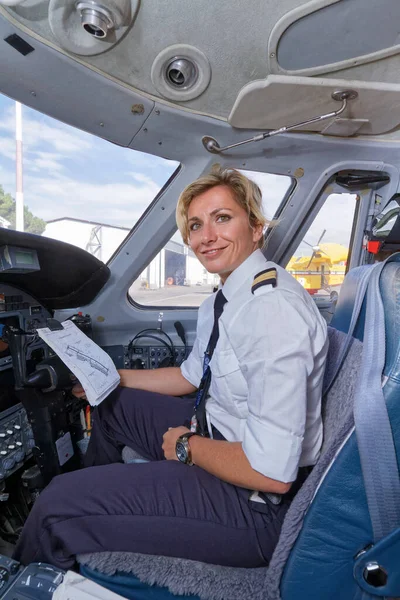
{"points": [[78, 391], [169, 441]]}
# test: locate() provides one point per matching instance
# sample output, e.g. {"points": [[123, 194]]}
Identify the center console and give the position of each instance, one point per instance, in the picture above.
{"points": [[16, 440]]}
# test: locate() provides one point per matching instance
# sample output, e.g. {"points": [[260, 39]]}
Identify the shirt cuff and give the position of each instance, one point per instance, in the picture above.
{"points": [[273, 453]]}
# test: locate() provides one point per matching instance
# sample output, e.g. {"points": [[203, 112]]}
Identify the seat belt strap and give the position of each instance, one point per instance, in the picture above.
{"points": [[373, 430]]}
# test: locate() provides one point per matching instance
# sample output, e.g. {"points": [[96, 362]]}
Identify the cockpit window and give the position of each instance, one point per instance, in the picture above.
{"points": [[320, 262], [77, 188], [275, 190], [175, 278]]}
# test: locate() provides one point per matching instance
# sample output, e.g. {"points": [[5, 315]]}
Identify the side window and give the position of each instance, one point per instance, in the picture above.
{"points": [[320, 261], [175, 278]]}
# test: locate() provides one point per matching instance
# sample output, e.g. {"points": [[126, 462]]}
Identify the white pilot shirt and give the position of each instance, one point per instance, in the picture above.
{"points": [[267, 369]]}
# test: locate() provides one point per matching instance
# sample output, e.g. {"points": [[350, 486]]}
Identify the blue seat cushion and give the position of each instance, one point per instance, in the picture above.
{"points": [[129, 586]]}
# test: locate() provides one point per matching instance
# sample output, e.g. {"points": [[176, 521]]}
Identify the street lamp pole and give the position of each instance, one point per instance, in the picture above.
{"points": [[19, 195]]}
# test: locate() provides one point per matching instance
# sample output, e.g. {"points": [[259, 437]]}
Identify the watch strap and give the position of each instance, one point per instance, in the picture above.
{"points": [[184, 438]]}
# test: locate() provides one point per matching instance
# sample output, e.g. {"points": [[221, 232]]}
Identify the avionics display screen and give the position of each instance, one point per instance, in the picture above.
{"points": [[26, 258], [12, 320]]}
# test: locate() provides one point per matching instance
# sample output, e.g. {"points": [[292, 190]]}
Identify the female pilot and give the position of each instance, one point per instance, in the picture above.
{"points": [[219, 479]]}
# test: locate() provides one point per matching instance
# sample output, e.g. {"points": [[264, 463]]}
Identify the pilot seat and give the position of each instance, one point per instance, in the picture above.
{"points": [[341, 534]]}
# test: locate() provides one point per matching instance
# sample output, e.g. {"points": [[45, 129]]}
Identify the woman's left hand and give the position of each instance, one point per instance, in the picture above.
{"points": [[169, 441]]}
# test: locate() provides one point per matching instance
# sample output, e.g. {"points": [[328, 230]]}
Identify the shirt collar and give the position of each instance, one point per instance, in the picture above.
{"points": [[244, 272]]}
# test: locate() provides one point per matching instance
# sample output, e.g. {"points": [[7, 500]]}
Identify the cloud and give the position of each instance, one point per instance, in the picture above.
{"points": [[37, 131], [68, 173], [143, 179], [273, 188], [114, 203], [336, 217], [67, 142], [44, 161], [7, 179], [7, 148], [48, 146], [142, 160]]}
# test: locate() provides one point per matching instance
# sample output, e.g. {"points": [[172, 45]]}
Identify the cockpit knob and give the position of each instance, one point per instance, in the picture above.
{"points": [[9, 463], [19, 456]]}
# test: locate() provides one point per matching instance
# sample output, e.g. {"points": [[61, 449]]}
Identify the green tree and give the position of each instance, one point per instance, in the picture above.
{"points": [[32, 224]]}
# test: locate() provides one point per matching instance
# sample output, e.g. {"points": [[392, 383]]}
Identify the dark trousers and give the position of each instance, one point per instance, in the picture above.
{"points": [[160, 507]]}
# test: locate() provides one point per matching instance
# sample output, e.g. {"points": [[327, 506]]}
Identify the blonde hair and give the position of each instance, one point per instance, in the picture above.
{"points": [[246, 193]]}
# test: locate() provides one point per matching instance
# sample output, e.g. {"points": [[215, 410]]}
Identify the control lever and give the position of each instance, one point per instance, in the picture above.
{"points": [[181, 333], [39, 379], [18, 340]]}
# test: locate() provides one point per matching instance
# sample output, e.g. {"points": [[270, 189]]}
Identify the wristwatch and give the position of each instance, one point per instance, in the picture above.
{"points": [[182, 448]]}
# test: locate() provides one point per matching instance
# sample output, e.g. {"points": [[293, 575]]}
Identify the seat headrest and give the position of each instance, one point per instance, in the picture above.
{"points": [[390, 292]]}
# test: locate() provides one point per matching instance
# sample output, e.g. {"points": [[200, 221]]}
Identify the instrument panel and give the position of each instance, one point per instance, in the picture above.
{"points": [[21, 310], [153, 357]]}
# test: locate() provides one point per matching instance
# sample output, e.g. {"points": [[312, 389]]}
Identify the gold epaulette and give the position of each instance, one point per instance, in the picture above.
{"points": [[266, 277]]}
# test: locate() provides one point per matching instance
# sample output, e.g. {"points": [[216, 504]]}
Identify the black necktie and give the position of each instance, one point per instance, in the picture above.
{"points": [[201, 398]]}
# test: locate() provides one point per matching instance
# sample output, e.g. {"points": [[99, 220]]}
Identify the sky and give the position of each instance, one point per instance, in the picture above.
{"points": [[70, 173]]}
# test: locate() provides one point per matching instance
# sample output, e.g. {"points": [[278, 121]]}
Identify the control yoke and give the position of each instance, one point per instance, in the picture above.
{"points": [[49, 375], [18, 340]]}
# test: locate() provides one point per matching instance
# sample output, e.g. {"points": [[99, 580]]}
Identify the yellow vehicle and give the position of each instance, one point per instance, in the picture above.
{"points": [[323, 270]]}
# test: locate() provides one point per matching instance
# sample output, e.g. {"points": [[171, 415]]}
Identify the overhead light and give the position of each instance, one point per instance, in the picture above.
{"points": [[96, 20], [181, 72]]}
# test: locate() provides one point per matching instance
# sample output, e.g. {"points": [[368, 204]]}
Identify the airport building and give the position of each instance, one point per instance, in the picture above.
{"points": [[175, 264]]}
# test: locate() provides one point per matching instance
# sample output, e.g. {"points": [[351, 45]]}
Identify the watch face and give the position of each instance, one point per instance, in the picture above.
{"points": [[181, 452]]}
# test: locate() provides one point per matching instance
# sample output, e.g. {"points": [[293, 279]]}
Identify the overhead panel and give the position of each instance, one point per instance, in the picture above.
{"points": [[198, 55], [280, 101]]}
